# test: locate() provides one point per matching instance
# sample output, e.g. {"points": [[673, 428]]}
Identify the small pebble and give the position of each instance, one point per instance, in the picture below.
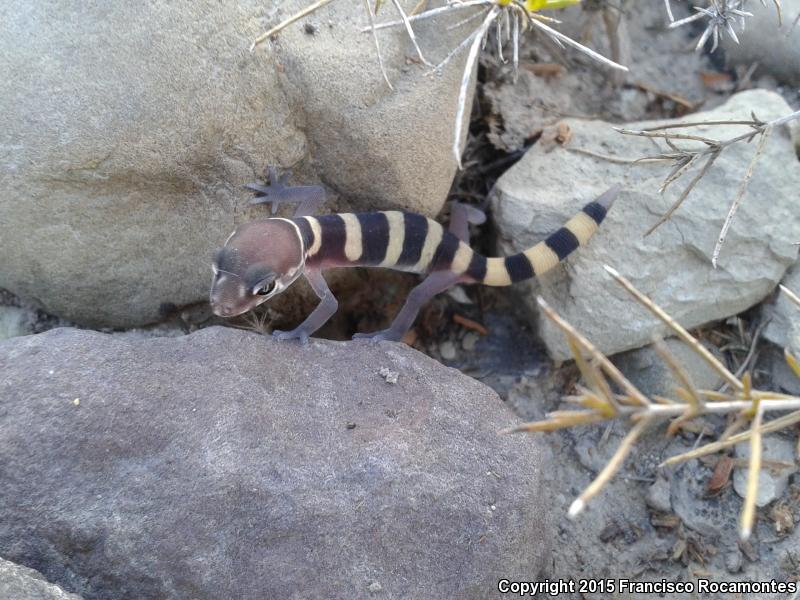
{"points": [[470, 341], [733, 561], [771, 483], [459, 295], [389, 375], [350, 425], [310, 28], [448, 350], [77, 401], [658, 496], [375, 587]]}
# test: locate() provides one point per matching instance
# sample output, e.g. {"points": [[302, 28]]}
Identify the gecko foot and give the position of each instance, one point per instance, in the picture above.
{"points": [[294, 334], [379, 336], [274, 192], [277, 192]]}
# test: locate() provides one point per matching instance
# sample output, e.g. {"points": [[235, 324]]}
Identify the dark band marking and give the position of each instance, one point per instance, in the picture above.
{"points": [[374, 237], [257, 274], [334, 237], [305, 232], [562, 242], [227, 259], [596, 211], [445, 251], [477, 267], [416, 227], [519, 268]]}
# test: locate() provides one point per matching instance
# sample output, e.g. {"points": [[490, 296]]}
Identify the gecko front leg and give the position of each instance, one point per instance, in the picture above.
{"points": [[309, 198], [319, 316]]}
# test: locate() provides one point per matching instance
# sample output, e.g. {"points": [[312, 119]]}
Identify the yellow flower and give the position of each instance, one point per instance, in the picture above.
{"points": [[536, 5]]}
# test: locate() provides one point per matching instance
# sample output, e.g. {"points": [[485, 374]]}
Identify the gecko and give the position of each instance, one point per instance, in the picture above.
{"points": [[262, 258]]}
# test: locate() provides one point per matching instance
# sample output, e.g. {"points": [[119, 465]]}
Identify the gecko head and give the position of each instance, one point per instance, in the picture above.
{"points": [[259, 260]]}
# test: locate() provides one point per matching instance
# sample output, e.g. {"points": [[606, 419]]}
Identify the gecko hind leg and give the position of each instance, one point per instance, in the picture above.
{"points": [[461, 215], [309, 198], [319, 316], [434, 284]]}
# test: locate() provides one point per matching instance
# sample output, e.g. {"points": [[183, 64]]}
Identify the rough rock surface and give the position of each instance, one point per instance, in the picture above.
{"points": [[224, 464], [21, 583], [122, 159], [775, 48], [784, 326], [672, 265], [772, 483], [647, 371], [529, 102], [14, 321]]}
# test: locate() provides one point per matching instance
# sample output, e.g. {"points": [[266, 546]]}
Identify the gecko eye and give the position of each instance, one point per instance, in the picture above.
{"points": [[266, 288]]}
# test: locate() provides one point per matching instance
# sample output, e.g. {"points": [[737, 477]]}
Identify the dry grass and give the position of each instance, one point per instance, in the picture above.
{"points": [[599, 402]]}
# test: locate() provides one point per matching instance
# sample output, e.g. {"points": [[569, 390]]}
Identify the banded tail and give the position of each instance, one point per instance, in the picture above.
{"points": [[545, 255], [414, 243]]}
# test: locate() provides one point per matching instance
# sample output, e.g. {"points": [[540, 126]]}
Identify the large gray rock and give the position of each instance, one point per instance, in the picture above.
{"points": [[776, 48], [126, 134], [783, 328], [645, 369], [224, 464], [21, 583], [673, 265]]}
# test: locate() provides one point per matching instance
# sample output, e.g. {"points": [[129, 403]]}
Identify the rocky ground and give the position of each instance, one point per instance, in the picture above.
{"points": [[147, 453]]}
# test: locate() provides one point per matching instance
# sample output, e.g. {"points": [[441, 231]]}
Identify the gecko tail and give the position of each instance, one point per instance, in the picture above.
{"points": [[545, 255]]}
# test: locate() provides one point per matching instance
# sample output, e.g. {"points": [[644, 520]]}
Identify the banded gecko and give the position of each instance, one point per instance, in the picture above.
{"points": [[260, 259]]}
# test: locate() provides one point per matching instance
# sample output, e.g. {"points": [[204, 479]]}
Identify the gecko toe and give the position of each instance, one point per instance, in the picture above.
{"points": [[291, 335]]}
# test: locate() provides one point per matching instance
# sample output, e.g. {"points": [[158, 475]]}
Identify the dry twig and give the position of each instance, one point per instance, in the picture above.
{"points": [[684, 158], [600, 403]]}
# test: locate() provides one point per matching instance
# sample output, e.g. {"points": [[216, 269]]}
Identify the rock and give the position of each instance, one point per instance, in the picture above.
{"points": [[658, 495], [733, 560], [771, 482], [784, 315], [781, 376], [647, 371], [672, 265], [123, 159], [221, 465], [470, 340], [14, 321], [21, 583], [660, 63], [775, 48], [448, 350]]}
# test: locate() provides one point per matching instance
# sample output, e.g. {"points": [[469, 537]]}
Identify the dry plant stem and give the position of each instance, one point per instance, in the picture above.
{"points": [[635, 395], [676, 205], [749, 508], [677, 328], [611, 467], [430, 13], [791, 295], [592, 374], [713, 149], [740, 194], [669, 11], [672, 410], [774, 425], [693, 396], [794, 24], [368, 7], [283, 24], [472, 56], [409, 30], [558, 36], [457, 50]]}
